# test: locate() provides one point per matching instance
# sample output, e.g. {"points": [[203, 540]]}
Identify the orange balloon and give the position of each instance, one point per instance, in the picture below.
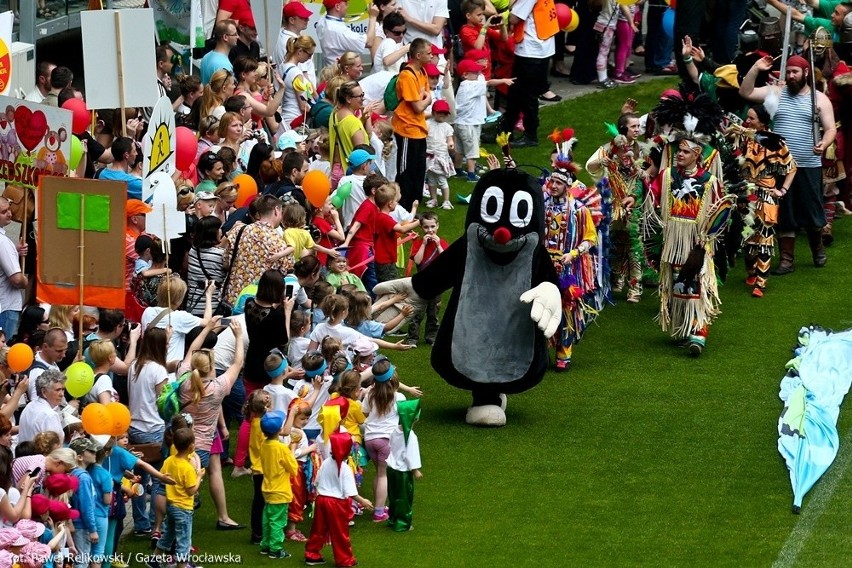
{"points": [[19, 358], [247, 188], [120, 415], [96, 419], [316, 186]]}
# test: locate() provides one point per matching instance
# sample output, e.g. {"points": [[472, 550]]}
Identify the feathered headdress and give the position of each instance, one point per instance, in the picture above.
{"points": [[564, 140], [690, 117]]}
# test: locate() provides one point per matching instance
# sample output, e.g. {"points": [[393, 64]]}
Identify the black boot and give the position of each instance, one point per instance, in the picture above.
{"points": [[817, 247], [788, 253]]}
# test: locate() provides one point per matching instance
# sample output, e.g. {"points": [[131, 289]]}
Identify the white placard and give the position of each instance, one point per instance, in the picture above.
{"points": [[267, 19], [164, 220], [158, 146], [101, 34]]}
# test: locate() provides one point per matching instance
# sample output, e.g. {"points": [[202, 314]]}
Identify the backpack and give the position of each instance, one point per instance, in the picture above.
{"points": [[391, 98], [168, 403]]}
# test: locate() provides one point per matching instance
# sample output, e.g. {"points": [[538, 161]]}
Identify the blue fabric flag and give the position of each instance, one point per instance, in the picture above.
{"points": [[817, 379]]}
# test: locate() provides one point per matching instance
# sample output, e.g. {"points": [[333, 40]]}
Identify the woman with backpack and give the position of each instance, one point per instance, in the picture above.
{"points": [[148, 374], [299, 94], [201, 396]]}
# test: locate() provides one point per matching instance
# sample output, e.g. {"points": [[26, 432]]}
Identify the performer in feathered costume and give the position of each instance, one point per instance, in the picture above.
{"points": [[688, 199], [617, 168], [764, 159], [570, 237]]}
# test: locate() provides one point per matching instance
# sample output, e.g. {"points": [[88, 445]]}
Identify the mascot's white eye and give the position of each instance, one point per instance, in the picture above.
{"points": [[522, 209], [492, 205]]}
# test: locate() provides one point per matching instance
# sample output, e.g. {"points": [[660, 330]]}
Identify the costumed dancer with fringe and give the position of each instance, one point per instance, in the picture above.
{"points": [[764, 158], [617, 169], [692, 211], [570, 237], [403, 466]]}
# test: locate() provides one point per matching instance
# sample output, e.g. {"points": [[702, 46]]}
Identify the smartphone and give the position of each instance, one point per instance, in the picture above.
{"points": [[35, 472], [288, 290], [225, 321], [496, 20]]}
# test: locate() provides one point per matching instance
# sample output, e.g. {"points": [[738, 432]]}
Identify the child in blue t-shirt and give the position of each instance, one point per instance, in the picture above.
{"points": [[85, 527], [103, 487]]}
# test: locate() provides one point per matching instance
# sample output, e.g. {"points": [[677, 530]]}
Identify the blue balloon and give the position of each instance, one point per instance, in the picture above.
{"points": [[668, 22]]}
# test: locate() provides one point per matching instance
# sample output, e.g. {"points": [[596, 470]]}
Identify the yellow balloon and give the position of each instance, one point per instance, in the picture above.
{"points": [[575, 21], [626, 2]]}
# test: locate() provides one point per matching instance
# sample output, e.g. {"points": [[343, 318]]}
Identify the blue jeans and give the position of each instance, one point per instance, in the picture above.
{"points": [[84, 547], [232, 407], [9, 323], [142, 519], [178, 531], [102, 523]]}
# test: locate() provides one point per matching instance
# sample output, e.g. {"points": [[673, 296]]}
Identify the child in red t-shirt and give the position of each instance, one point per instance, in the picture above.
{"points": [[387, 229], [478, 39], [424, 250], [360, 241], [327, 220]]}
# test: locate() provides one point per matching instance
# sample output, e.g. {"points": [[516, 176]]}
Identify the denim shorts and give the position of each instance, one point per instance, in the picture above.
{"points": [[178, 531]]}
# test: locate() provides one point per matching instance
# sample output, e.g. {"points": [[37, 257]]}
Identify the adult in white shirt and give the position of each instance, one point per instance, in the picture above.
{"points": [[300, 50], [293, 23], [12, 280], [42, 414], [385, 7], [530, 73], [335, 35], [426, 19], [51, 352], [182, 322], [392, 51], [374, 86], [42, 86]]}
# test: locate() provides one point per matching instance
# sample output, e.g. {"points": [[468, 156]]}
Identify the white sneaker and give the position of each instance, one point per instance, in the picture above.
{"points": [[431, 204], [446, 205], [240, 472]]}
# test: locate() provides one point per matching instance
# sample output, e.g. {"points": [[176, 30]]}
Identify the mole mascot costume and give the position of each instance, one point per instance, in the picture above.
{"points": [[505, 303]]}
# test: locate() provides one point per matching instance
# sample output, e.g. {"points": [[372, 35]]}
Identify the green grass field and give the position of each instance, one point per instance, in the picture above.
{"points": [[639, 455]]}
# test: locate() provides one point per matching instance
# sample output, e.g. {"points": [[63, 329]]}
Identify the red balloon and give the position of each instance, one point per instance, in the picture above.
{"points": [[186, 146], [563, 16], [81, 118]]}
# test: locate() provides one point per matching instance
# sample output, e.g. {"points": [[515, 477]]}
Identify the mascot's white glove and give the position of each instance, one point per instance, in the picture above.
{"points": [[546, 310]]}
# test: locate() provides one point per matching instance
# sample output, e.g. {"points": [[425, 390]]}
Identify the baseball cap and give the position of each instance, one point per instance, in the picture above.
{"points": [[136, 207], [468, 66], [332, 3], [358, 157], [290, 139], [437, 50], [296, 9], [100, 439], [441, 106], [476, 54], [204, 196], [272, 422], [81, 445], [432, 70], [206, 186]]}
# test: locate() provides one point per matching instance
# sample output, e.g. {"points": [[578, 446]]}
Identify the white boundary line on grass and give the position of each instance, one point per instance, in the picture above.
{"points": [[816, 506]]}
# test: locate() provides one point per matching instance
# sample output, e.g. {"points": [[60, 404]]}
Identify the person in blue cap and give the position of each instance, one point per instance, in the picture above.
{"points": [[278, 465]]}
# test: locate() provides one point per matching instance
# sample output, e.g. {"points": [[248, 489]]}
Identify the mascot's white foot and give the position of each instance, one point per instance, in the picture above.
{"points": [[488, 415]]}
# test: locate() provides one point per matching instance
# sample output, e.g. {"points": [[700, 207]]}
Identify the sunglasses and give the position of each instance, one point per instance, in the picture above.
{"points": [[398, 32]]}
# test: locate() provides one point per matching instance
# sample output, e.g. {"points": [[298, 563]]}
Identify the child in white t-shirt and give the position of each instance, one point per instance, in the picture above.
{"points": [[279, 370], [471, 111], [439, 165]]}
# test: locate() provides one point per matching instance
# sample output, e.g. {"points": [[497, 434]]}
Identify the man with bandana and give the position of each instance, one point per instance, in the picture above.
{"points": [[570, 238], [801, 204], [683, 196]]}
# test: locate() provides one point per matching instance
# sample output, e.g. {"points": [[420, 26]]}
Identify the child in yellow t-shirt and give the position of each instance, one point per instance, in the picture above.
{"points": [[258, 404], [278, 465], [179, 498]]}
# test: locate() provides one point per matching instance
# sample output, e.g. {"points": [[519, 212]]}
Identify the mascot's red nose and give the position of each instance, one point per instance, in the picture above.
{"points": [[502, 235]]}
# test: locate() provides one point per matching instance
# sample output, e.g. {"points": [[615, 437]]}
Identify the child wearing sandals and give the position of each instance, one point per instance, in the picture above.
{"points": [[382, 419]]}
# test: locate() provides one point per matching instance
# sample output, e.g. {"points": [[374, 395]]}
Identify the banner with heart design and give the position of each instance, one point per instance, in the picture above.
{"points": [[35, 140]]}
